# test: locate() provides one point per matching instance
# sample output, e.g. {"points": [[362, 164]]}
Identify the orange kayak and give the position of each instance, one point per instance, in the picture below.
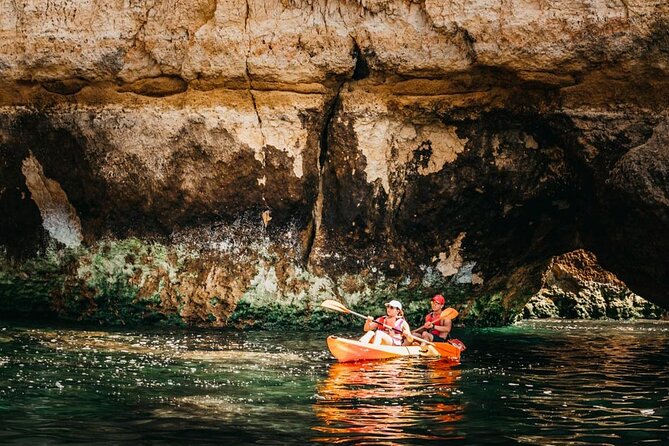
{"points": [[346, 350]]}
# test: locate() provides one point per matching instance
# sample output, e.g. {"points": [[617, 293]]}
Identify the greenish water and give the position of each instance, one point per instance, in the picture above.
{"points": [[537, 383]]}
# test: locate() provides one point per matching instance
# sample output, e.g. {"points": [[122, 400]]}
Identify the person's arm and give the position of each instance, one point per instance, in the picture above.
{"points": [[444, 329], [370, 324], [406, 330]]}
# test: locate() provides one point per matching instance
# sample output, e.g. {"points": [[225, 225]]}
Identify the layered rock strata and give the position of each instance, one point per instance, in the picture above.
{"points": [[208, 157]]}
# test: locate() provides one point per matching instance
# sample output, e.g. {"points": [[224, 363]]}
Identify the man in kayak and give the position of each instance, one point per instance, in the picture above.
{"points": [[390, 329], [435, 329]]}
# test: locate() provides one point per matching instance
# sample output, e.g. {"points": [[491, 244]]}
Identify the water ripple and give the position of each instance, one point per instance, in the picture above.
{"points": [[545, 382]]}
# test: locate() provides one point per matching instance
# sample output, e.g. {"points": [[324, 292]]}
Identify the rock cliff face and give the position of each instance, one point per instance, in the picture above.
{"points": [[210, 160]]}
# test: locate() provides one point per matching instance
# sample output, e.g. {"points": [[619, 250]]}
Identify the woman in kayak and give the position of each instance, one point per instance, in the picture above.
{"points": [[435, 329], [379, 331]]}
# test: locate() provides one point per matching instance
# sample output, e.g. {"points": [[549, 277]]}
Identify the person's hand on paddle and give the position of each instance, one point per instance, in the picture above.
{"points": [[368, 323]]}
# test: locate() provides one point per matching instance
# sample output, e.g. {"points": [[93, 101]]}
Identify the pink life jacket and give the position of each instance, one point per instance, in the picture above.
{"points": [[397, 337]]}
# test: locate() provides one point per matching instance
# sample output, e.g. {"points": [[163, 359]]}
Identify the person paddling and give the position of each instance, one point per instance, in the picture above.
{"points": [[435, 329], [378, 332]]}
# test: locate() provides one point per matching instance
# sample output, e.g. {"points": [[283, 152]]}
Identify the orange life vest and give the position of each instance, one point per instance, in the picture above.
{"points": [[436, 321]]}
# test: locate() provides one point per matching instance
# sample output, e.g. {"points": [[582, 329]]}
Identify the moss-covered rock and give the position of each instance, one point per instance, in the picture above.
{"points": [[540, 307], [133, 281]]}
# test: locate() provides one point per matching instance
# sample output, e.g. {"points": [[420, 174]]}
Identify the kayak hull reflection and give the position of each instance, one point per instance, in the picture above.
{"points": [[347, 350]]}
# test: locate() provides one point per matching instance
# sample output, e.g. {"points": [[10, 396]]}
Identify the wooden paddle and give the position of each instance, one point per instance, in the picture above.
{"points": [[336, 306], [446, 313]]}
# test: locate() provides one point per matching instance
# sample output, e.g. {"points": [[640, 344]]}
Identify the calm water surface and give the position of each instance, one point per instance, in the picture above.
{"points": [[536, 383]]}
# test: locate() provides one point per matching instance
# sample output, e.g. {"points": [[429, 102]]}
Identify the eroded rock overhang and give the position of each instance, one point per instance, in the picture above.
{"points": [[471, 139]]}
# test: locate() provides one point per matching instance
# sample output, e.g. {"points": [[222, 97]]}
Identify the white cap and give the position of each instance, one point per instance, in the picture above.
{"points": [[394, 303]]}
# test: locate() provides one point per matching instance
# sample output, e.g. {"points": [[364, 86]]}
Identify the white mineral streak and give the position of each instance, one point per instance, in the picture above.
{"points": [[59, 218], [281, 124], [449, 264], [388, 140], [445, 143], [466, 274], [374, 142]]}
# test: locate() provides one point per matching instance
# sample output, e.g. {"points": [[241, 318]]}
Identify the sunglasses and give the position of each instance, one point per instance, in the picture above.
{"points": [[388, 306]]}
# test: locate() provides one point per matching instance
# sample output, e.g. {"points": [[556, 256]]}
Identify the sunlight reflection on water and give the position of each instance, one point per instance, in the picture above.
{"points": [[387, 401], [540, 382]]}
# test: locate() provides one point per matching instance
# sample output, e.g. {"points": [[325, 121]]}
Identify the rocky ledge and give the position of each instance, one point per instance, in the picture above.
{"points": [[575, 286], [236, 162]]}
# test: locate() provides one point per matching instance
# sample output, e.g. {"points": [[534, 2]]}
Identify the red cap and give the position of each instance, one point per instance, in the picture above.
{"points": [[439, 299]]}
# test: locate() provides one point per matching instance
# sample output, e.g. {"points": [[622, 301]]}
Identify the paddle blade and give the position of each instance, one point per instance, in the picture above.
{"points": [[334, 305], [449, 313]]}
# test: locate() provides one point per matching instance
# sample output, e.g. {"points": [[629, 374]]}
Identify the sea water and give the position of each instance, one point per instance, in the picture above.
{"points": [[542, 382]]}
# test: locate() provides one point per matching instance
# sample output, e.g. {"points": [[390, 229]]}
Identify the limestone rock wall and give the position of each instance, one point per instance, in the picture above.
{"points": [[575, 286], [348, 148]]}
